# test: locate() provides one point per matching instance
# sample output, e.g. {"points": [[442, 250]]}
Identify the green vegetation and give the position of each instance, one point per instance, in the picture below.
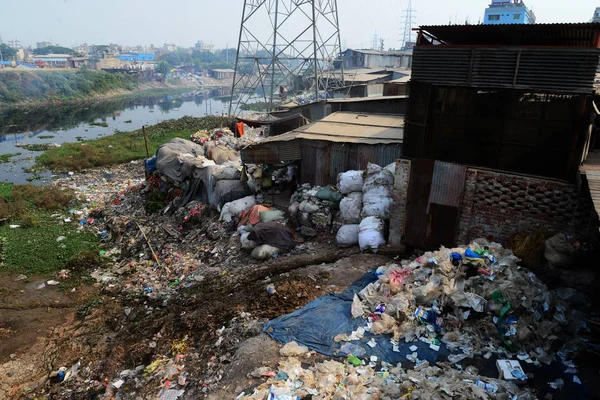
{"points": [[8, 53], [33, 248], [46, 137], [123, 146], [54, 50], [20, 86], [128, 121], [4, 158], [258, 106], [38, 146], [101, 124]]}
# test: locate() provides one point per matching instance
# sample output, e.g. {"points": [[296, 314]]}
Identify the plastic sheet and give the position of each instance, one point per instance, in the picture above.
{"points": [[316, 325]]}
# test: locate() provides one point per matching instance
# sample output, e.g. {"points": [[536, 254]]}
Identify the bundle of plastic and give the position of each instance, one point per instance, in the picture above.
{"points": [[312, 206], [377, 192], [434, 296]]}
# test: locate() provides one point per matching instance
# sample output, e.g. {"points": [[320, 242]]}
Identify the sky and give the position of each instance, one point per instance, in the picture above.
{"points": [[183, 22]]}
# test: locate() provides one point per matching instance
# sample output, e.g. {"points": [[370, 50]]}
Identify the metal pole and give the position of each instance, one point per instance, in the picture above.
{"points": [[337, 22], [314, 22], [274, 54], [146, 141], [237, 58]]}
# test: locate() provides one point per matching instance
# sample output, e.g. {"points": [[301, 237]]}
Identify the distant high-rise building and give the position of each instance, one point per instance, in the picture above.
{"points": [[508, 12], [41, 45], [596, 15], [201, 46]]}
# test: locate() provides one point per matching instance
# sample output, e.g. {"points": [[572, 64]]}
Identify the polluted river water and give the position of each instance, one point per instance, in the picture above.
{"points": [[71, 123]]}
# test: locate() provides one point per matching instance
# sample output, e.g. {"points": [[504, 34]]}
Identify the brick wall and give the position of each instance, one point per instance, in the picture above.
{"points": [[398, 212], [499, 204]]}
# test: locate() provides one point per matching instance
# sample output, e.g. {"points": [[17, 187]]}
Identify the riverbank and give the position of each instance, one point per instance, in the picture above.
{"points": [[146, 90], [122, 146]]}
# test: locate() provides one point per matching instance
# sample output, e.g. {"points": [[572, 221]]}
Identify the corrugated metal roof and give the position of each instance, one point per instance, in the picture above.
{"points": [[571, 35], [361, 78], [359, 99], [347, 127]]}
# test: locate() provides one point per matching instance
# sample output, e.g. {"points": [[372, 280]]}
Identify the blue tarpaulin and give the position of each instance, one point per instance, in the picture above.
{"points": [[322, 319]]}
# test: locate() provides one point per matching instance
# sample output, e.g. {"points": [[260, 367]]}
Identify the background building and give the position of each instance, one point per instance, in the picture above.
{"points": [[135, 56], [201, 46], [596, 15], [376, 59], [508, 12]]}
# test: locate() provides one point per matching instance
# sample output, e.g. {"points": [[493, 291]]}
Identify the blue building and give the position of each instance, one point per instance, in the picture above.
{"points": [[508, 12], [134, 56]]}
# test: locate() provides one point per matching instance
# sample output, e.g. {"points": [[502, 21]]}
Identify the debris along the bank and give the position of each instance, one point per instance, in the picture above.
{"points": [[451, 304]]}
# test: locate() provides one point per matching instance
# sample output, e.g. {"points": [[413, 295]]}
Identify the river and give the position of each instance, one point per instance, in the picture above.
{"points": [[71, 123]]}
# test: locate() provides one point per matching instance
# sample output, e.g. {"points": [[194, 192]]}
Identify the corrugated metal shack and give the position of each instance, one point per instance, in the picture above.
{"points": [[339, 142], [498, 120]]}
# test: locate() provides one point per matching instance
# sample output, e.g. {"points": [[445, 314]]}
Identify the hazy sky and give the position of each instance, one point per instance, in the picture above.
{"points": [[183, 22]]}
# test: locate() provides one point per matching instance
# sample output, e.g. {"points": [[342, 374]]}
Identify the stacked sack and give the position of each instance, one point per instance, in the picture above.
{"points": [[377, 201], [312, 206], [350, 183]]}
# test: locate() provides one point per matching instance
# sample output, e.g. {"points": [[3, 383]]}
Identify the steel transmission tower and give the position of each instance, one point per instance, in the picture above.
{"points": [[408, 18], [291, 44]]}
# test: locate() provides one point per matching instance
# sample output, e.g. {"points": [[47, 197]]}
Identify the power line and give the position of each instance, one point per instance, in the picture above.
{"points": [[409, 19]]}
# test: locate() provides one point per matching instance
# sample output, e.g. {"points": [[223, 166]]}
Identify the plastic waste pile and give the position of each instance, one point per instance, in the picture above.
{"points": [[365, 207], [312, 206], [460, 296], [371, 379]]}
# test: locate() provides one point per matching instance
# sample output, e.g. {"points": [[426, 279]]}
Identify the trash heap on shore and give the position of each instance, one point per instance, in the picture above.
{"points": [[451, 307]]}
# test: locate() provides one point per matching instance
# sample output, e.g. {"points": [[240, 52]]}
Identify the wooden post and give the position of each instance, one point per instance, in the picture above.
{"points": [[146, 141]]}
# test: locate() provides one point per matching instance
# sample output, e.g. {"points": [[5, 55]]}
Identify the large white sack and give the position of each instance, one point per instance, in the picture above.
{"points": [[264, 252], [370, 233], [226, 173], [381, 178], [350, 181], [350, 208], [347, 235], [233, 208], [391, 168], [377, 206], [247, 244]]}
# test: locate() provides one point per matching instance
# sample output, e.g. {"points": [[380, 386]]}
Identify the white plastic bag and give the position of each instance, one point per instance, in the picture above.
{"points": [[377, 202], [264, 252], [247, 244], [350, 208], [377, 207], [347, 235], [370, 233], [350, 181], [233, 208]]}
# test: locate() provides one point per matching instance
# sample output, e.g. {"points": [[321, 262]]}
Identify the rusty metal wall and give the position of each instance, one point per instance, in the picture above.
{"points": [[553, 69]]}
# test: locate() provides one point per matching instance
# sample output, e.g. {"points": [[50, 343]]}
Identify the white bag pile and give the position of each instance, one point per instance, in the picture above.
{"points": [[369, 196], [377, 192]]}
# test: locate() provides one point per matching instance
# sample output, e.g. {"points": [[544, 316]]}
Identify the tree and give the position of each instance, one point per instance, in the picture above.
{"points": [[8, 53], [54, 50], [163, 67]]}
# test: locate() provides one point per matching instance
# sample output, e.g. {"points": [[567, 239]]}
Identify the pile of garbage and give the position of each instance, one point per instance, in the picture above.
{"points": [[366, 206], [356, 379], [314, 206], [474, 299]]}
